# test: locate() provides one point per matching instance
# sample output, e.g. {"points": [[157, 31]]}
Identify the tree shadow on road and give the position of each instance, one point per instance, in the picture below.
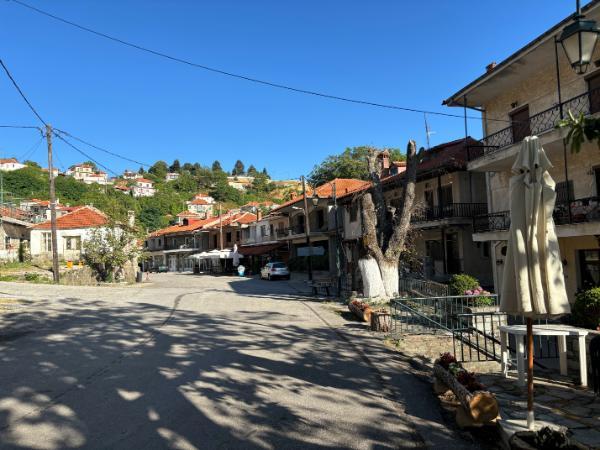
{"points": [[96, 375]]}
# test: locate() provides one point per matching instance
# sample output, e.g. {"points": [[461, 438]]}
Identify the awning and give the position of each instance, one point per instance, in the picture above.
{"points": [[254, 250]]}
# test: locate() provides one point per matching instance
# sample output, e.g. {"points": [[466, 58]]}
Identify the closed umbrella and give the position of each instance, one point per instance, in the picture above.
{"points": [[533, 282]]}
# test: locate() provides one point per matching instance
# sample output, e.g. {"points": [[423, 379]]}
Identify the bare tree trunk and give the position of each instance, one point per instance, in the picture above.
{"points": [[371, 275], [385, 243]]}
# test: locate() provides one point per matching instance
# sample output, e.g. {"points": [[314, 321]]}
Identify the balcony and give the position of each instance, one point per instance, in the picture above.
{"points": [[586, 103], [450, 211], [583, 210]]}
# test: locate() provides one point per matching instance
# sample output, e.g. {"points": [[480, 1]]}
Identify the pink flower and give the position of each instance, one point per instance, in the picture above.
{"points": [[469, 292]]}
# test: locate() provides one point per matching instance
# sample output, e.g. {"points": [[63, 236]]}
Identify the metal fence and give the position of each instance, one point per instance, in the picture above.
{"points": [[433, 314], [426, 288]]}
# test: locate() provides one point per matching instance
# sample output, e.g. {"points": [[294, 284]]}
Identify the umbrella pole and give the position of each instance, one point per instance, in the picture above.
{"points": [[530, 416]]}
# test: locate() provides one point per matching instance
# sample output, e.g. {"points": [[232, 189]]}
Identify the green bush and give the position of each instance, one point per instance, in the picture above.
{"points": [[461, 283], [586, 310]]}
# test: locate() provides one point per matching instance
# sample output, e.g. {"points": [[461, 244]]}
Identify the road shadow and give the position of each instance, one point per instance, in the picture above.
{"points": [[140, 375]]}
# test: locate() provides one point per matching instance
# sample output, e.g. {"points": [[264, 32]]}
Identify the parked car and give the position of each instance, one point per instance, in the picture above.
{"points": [[275, 270]]}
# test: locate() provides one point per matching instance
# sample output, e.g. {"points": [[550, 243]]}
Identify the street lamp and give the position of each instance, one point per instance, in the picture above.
{"points": [[315, 199], [578, 40]]}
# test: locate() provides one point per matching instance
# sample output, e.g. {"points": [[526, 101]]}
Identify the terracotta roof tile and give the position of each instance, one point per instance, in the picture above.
{"points": [[83, 217]]}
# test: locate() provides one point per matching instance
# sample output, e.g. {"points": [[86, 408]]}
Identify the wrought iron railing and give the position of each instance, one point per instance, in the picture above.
{"points": [[434, 314], [586, 103], [425, 288], [576, 211], [456, 210]]}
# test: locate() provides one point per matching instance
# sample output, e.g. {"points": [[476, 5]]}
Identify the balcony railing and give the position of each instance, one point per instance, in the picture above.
{"points": [[586, 103], [577, 211], [452, 210]]}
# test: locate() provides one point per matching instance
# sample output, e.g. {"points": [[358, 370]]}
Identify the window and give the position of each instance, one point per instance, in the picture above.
{"points": [[246, 233], [72, 242], [271, 230], [263, 230], [353, 211], [6, 242], [46, 242], [446, 195], [237, 236], [594, 92], [486, 249], [215, 241], [589, 268], [520, 124], [564, 192], [320, 218], [228, 236]]}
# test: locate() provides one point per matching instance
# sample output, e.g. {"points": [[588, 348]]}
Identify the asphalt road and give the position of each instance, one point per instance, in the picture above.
{"points": [[202, 362]]}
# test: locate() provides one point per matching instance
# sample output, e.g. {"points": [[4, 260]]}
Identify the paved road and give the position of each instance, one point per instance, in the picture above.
{"points": [[201, 362]]}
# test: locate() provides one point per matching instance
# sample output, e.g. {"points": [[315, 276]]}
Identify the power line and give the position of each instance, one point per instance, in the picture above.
{"points": [[31, 150], [77, 149], [21, 92], [245, 77], [20, 127], [102, 149]]}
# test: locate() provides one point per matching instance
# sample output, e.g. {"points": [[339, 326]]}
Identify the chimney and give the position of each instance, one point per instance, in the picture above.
{"points": [[258, 214], [384, 157], [131, 218], [490, 67]]}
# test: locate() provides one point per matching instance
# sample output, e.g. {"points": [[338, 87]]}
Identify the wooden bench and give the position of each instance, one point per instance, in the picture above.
{"points": [[324, 283]]}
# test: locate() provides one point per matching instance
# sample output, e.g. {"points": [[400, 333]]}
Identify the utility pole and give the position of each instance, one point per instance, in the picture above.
{"points": [[220, 229], [55, 274], [338, 264], [307, 230]]}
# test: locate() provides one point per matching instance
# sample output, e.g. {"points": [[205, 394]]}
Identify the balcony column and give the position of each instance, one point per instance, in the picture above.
{"points": [[444, 251]]}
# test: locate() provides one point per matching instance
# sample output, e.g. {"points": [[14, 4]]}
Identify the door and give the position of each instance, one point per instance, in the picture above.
{"points": [[589, 268], [172, 263], [520, 124], [453, 265]]}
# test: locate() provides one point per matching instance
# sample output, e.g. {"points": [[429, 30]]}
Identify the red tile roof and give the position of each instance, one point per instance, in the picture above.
{"points": [[8, 160], [343, 186], [199, 201], [82, 217], [144, 180], [192, 225]]}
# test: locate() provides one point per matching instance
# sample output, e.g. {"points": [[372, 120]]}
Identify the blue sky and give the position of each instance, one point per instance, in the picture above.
{"points": [[412, 54]]}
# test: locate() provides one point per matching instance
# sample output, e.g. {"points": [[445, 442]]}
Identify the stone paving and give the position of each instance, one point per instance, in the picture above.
{"points": [[558, 404]]}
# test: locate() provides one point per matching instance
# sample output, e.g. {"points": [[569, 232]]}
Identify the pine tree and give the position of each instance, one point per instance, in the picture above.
{"points": [[238, 168], [252, 172], [175, 167], [216, 167]]}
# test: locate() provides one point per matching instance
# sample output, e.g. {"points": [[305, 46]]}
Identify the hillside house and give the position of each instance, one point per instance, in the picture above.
{"points": [[87, 174], [10, 164], [143, 188]]}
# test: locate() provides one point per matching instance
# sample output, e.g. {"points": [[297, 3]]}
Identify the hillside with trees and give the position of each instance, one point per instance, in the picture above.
{"points": [[151, 212]]}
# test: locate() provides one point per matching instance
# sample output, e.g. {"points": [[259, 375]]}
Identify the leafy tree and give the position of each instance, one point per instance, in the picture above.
{"points": [[216, 167], [252, 172], [238, 168], [222, 192], [91, 163], [581, 128], [188, 167], [186, 183], [261, 185], [30, 163], [159, 169], [264, 172], [175, 167], [108, 249], [141, 171], [26, 182], [352, 163], [152, 218]]}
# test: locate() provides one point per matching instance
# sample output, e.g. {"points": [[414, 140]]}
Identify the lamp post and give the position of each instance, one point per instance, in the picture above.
{"points": [[578, 39]]}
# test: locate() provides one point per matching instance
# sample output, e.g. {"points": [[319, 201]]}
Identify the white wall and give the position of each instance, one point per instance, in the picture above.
{"points": [[38, 251]]}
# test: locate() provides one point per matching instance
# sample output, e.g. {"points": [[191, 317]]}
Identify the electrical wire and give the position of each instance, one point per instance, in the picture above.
{"points": [[31, 150], [77, 149], [246, 77], [21, 92], [20, 126], [102, 149]]}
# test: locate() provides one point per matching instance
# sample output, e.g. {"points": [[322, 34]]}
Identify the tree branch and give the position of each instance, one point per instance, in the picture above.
{"points": [[403, 213], [380, 204], [369, 220]]}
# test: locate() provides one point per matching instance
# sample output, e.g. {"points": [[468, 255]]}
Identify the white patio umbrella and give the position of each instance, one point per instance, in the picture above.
{"points": [[533, 282]]}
